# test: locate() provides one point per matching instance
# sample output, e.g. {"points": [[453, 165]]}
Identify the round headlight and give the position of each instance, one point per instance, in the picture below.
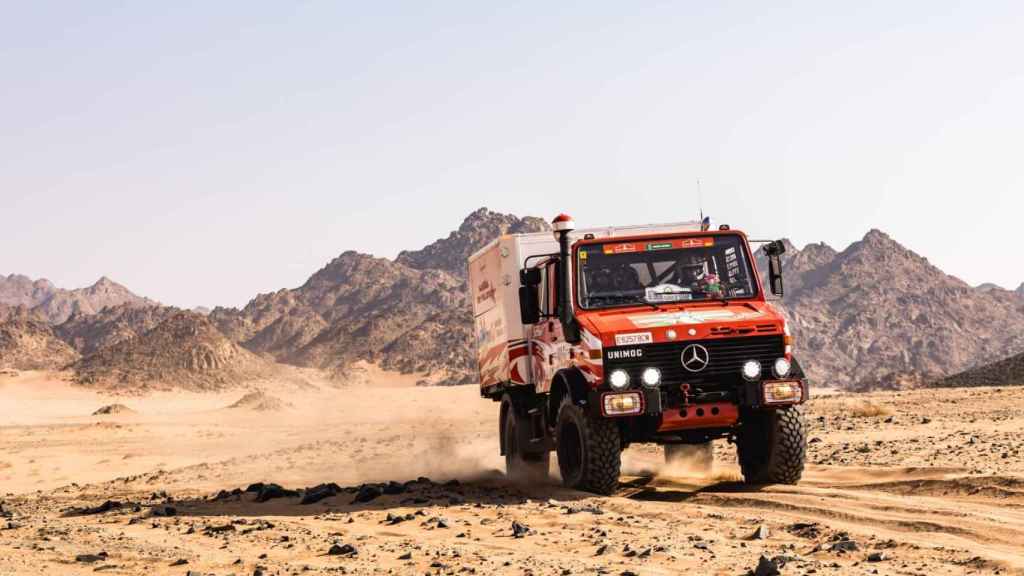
{"points": [[618, 379], [651, 377], [751, 369], [781, 368]]}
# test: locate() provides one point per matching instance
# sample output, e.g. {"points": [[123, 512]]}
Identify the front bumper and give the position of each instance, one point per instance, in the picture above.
{"points": [[717, 410]]}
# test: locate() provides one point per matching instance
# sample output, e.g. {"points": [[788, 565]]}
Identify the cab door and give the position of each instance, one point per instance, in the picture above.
{"points": [[550, 350]]}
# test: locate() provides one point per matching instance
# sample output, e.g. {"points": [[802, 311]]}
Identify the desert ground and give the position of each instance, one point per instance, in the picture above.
{"points": [[397, 479]]}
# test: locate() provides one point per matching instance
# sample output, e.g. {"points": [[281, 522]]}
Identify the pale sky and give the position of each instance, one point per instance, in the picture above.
{"points": [[203, 152]]}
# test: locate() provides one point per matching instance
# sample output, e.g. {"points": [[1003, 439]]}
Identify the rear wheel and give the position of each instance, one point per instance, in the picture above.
{"points": [[772, 446], [697, 458], [589, 450], [520, 465]]}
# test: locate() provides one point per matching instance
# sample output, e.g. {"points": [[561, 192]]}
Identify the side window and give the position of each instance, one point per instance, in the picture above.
{"points": [[551, 288], [542, 290]]}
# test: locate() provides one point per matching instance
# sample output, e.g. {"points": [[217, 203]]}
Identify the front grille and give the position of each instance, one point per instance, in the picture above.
{"points": [[726, 357]]}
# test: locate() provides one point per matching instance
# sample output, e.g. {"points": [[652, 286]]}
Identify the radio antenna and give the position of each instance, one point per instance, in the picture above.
{"points": [[700, 201]]}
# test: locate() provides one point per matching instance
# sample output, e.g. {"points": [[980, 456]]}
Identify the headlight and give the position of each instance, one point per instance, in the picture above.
{"points": [[623, 404], [752, 370], [785, 392], [781, 368], [618, 379], [651, 377]]}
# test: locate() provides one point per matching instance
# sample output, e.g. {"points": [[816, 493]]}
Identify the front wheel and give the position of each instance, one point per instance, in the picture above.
{"points": [[695, 458], [521, 466], [589, 450], [772, 446]]}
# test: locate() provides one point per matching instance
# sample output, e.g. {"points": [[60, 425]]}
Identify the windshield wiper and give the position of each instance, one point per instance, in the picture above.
{"points": [[642, 300]]}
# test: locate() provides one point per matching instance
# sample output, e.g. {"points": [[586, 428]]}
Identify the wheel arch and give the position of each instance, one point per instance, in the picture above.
{"points": [[568, 382]]}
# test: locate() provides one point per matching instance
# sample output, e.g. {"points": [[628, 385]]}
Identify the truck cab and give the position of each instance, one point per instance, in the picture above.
{"points": [[658, 334]]}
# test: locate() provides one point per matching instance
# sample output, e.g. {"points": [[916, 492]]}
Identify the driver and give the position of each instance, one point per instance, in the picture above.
{"points": [[691, 272], [600, 281], [625, 279], [696, 274]]}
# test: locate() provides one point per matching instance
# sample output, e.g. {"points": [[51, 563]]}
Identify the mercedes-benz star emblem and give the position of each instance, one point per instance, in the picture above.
{"points": [[695, 357]]}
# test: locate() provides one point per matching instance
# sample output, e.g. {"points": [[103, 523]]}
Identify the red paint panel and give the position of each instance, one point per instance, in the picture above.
{"points": [[714, 415]]}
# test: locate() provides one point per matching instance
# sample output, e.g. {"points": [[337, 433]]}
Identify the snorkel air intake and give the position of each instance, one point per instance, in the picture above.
{"points": [[562, 226]]}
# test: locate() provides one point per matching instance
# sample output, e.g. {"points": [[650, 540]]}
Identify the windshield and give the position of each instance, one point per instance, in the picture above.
{"points": [[662, 271]]}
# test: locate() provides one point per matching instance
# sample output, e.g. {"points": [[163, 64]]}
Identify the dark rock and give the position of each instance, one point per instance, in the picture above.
{"points": [[406, 556], [255, 488], [320, 492], [761, 533], [844, 546], [766, 567], [367, 493], [809, 530], [90, 558], [273, 491], [101, 509], [601, 549], [519, 530], [179, 562], [164, 511], [877, 557], [392, 488], [342, 550]]}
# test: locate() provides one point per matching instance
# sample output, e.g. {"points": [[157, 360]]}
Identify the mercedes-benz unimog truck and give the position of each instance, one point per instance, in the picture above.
{"points": [[595, 339]]}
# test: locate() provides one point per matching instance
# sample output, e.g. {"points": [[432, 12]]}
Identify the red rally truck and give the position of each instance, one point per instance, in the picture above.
{"points": [[594, 339]]}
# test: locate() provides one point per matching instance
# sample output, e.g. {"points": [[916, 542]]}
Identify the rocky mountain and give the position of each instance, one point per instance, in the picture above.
{"points": [[8, 312], [88, 333], [1020, 290], [409, 314], [872, 315], [185, 350], [18, 290], [1005, 372], [57, 304], [877, 314], [32, 345], [450, 254]]}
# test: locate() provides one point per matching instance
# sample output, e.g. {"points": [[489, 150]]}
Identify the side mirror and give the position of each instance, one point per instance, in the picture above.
{"points": [[529, 307], [529, 277], [775, 250]]}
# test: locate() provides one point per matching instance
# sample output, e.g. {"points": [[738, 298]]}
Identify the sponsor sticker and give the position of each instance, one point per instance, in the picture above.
{"points": [[622, 248], [697, 242], [690, 317], [659, 246], [634, 338]]}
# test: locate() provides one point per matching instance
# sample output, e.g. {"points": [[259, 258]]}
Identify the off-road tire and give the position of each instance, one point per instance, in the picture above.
{"points": [[589, 449], [521, 467], [772, 446], [699, 458]]}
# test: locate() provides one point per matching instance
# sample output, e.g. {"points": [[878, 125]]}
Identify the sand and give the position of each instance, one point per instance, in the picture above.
{"points": [[922, 482]]}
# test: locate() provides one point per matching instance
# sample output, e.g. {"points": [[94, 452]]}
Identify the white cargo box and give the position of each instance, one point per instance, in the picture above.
{"points": [[501, 339]]}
